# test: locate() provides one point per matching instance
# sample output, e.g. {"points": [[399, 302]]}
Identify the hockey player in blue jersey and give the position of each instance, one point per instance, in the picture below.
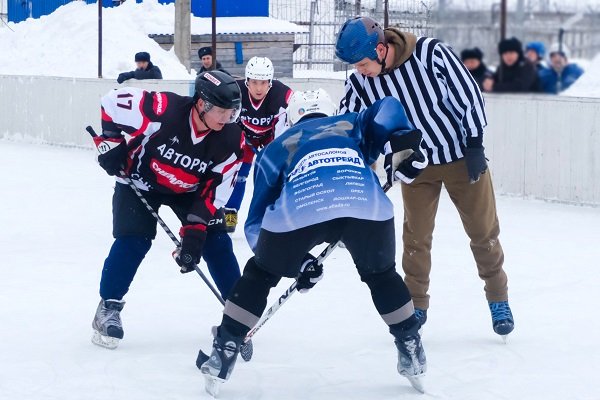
{"points": [[313, 184]]}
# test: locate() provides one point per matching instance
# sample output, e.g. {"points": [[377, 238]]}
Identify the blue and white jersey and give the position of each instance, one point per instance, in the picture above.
{"points": [[319, 170]]}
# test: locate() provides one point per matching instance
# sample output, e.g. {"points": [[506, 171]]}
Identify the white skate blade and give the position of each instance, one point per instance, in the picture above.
{"points": [[212, 385], [416, 383], [504, 338], [105, 341]]}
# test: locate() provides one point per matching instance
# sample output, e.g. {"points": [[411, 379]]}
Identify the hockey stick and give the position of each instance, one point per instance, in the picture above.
{"points": [[293, 287], [160, 221], [246, 351]]}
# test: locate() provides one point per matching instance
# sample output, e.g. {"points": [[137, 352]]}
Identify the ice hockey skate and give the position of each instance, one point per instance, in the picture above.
{"points": [[412, 363], [502, 318], [108, 330], [219, 366]]}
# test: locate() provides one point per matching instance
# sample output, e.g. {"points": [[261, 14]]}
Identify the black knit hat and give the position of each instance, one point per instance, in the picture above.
{"points": [[204, 51], [142, 56], [471, 53], [512, 44]]}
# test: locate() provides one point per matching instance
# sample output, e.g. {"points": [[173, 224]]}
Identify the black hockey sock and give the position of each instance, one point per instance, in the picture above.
{"points": [[390, 296], [248, 299]]}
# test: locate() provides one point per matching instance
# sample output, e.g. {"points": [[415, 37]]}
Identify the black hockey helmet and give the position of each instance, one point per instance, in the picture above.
{"points": [[218, 89]]}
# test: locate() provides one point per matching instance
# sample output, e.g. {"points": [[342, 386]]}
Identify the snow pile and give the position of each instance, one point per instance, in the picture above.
{"points": [[64, 43], [589, 83]]}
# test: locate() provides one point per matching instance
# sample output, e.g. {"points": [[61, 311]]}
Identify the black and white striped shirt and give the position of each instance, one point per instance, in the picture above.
{"points": [[438, 93]]}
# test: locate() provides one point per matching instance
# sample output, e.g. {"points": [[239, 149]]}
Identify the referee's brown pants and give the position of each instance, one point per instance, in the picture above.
{"points": [[476, 206]]}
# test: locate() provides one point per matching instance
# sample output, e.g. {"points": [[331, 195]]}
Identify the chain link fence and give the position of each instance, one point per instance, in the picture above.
{"points": [[460, 23]]}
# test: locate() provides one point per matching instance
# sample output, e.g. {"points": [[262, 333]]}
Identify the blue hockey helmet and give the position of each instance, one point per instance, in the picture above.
{"points": [[358, 39]]}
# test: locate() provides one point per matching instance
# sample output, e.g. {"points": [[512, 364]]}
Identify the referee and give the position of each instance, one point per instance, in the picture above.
{"points": [[444, 102]]}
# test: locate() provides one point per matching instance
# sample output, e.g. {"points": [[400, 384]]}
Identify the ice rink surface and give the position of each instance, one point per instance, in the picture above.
{"points": [[55, 217]]}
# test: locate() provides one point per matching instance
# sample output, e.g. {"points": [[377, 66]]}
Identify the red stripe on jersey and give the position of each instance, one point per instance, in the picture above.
{"points": [[288, 95], [145, 119], [209, 196], [105, 116], [159, 105], [197, 133], [175, 179]]}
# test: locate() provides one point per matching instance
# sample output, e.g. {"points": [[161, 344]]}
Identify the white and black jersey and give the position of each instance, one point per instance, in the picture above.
{"points": [[259, 119], [166, 152], [438, 93]]}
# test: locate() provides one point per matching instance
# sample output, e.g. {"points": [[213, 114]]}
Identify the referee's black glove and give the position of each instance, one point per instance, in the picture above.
{"points": [[476, 162]]}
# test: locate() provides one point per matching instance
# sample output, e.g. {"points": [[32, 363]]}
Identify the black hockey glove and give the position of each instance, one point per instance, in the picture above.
{"points": [[311, 272], [476, 162], [411, 167], [112, 152], [123, 76], [192, 242], [404, 165]]}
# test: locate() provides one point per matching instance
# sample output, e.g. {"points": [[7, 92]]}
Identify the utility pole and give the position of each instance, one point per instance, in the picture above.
{"points": [[214, 33], [386, 13], [100, 39], [357, 8], [502, 19], [182, 37], [311, 32]]}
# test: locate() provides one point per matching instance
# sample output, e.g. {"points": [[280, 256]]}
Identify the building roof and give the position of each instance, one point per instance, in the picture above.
{"points": [[242, 25]]}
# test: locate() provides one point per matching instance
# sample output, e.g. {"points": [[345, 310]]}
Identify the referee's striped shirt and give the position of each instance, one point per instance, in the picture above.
{"points": [[438, 93]]}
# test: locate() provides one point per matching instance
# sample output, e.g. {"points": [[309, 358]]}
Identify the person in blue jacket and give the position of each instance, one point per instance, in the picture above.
{"points": [[561, 74], [313, 184]]}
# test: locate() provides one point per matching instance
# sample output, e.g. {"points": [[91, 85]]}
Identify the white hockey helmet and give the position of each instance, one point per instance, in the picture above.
{"points": [[259, 68], [310, 102]]}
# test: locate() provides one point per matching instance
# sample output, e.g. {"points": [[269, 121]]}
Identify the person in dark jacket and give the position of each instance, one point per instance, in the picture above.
{"points": [[145, 69], [472, 58], [206, 57], [561, 73], [515, 73]]}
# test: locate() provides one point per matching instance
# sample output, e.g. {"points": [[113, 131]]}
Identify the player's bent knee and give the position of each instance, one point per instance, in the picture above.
{"points": [[253, 271]]}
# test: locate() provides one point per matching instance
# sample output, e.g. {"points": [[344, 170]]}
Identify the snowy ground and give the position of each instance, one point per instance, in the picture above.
{"points": [[328, 344]]}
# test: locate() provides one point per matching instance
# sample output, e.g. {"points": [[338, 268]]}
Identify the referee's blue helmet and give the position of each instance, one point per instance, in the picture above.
{"points": [[358, 39]]}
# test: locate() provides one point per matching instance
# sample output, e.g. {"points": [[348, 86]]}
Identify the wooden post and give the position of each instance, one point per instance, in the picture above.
{"points": [[182, 36]]}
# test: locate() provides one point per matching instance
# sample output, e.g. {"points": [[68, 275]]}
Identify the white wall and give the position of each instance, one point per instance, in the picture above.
{"points": [[539, 146]]}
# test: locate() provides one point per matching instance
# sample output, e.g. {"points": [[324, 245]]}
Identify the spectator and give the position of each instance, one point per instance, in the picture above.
{"points": [[535, 52], [145, 69], [472, 58], [515, 73], [206, 58], [561, 73]]}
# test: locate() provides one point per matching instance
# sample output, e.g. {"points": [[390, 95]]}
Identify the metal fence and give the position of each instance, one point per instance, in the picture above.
{"points": [[315, 49], [460, 23]]}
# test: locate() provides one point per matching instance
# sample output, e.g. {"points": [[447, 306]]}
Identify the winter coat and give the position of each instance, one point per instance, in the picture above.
{"points": [[219, 68], [480, 73], [520, 77], [553, 82], [151, 72]]}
